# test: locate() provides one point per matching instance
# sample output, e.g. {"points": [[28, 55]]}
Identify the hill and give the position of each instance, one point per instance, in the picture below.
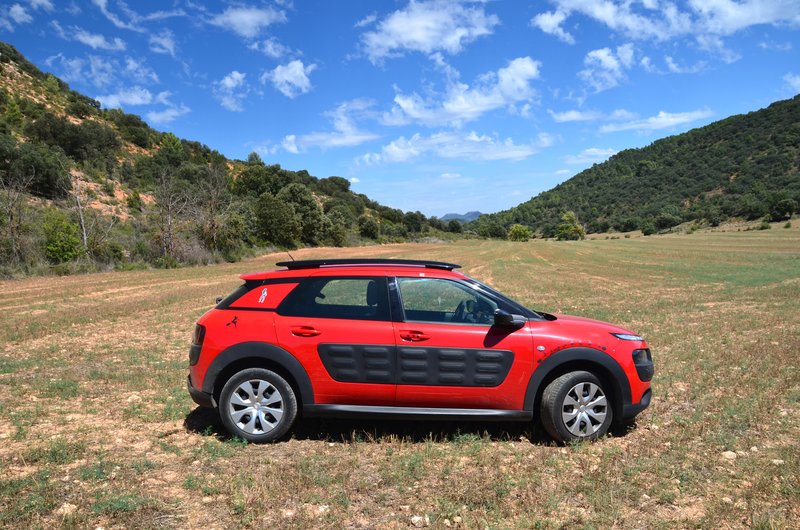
{"points": [[464, 218], [743, 166], [83, 187]]}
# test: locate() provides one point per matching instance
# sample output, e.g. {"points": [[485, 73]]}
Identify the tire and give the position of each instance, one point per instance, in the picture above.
{"points": [[257, 405], [576, 407]]}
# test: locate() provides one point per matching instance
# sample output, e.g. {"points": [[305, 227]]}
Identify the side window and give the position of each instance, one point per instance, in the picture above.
{"points": [[444, 301], [346, 298]]}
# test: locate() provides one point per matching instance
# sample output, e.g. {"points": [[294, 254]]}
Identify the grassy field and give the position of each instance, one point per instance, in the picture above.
{"points": [[96, 428]]}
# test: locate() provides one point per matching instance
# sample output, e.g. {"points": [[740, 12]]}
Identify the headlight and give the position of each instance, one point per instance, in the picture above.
{"points": [[627, 336]]}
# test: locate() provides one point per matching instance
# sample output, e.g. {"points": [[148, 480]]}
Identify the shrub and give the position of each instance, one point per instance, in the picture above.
{"points": [[764, 225], [62, 242], [276, 221], [570, 228], [368, 227], [519, 232]]}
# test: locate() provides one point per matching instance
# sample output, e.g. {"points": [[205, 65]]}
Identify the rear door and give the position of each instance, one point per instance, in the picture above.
{"points": [[341, 331], [449, 352]]}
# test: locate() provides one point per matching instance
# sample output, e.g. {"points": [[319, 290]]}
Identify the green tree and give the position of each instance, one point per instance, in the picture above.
{"points": [[570, 228], [62, 241], [455, 227], [368, 227], [276, 221], [307, 210], [13, 115], [519, 232]]}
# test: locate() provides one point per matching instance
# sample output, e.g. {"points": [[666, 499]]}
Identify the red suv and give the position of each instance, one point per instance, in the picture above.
{"points": [[407, 339]]}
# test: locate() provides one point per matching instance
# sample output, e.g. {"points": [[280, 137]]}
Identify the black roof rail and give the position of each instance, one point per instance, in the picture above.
{"points": [[316, 263]]}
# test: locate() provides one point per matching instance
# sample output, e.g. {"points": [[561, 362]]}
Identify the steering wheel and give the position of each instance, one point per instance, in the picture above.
{"points": [[460, 312]]}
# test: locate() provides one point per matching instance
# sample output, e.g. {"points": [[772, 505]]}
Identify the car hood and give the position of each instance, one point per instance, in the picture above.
{"points": [[566, 330]]}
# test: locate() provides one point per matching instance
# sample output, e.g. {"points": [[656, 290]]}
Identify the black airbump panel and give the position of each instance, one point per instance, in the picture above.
{"points": [[359, 363], [453, 367], [370, 363]]}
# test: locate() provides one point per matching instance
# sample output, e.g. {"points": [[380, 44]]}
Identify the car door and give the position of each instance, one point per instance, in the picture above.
{"points": [[449, 352], [340, 329]]}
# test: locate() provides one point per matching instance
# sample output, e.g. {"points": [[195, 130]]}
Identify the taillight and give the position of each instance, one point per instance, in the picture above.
{"points": [[199, 334]]}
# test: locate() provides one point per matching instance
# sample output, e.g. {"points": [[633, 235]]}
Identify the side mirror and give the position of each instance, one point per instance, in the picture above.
{"points": [[504, 319]]}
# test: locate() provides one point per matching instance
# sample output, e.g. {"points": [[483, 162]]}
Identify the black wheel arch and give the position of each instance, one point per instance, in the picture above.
{"points": [[258, 355], [580, 358]]}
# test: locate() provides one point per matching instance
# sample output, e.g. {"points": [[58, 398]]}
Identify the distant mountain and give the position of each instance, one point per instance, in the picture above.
{"points": [[744, 166], [464, 218]]}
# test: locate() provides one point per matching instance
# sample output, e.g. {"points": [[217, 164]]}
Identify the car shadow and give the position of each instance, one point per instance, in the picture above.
{"points": [[206, 422]]}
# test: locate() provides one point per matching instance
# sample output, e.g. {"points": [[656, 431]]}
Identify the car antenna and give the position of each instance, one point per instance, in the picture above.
{"points": [[290, 255]]}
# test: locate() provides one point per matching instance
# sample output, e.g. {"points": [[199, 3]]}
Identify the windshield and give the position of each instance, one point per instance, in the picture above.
{"points": [[519, 308]]}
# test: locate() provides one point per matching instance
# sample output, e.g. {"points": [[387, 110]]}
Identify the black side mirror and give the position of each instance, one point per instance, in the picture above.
{"points": [[504, 319]]}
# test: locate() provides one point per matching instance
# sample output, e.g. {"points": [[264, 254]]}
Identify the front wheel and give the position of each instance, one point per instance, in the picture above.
{"points": [[576, 407], [257, 405]]}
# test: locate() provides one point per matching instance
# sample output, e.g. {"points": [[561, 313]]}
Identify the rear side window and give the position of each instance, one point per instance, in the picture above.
{"points": [[346, 298]]}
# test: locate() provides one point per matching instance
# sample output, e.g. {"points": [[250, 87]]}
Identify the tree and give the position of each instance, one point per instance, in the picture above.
{"points": [[13, 187], [210, 199], [13, 115], [61, 239], [570, 228], [454, 226], [171, 202], [368, 227], [519, 232], [276, 221], [307, 209]]}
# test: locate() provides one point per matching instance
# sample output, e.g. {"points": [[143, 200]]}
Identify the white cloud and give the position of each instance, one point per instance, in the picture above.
{"points": [[163, 42], [345, 133], [462, 103], [130, 96], [662, 120], [247, 21], [450, 176], [271, 48], [290, 79], [714, 45], [428, 27], [47, 5], [575, 115], [355, 180], [676, 68], [97, 41], [134, 19], [550, 22], [605, 68], [793, 80], [562, 172], [724, 17], [366, 21], [167, 115], [589, 156], [139, 72], [19, 15], [470, 146], [777, 46], [101, 72], [114, 19], [231, 90]]}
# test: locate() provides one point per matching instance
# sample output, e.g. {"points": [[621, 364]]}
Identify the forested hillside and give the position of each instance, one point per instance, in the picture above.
{"points": [[84, 188], [743, 166]]}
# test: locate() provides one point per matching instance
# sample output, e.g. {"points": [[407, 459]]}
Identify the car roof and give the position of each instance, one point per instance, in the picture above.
{"points": [[358, 267]]}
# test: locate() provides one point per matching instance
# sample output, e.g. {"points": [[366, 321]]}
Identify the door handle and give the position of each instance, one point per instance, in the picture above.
{"points": [[413, 336], [304, 331]]}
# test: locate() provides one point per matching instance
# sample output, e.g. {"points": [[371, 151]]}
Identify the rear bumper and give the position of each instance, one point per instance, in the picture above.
{"points": [[630, 411], [198, 396]]}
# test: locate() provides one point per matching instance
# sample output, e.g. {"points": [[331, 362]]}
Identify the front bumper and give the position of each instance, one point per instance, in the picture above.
{"points": [[198, 396], [630, 411]]}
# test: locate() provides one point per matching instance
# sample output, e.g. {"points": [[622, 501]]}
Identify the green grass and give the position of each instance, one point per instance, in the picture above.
{"points": [[94, 411]]}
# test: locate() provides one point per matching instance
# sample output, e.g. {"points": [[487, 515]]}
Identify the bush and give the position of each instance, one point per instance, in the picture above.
{"points": [[276, 221], [455, 227], [764, 225], [570, 229], [788, 224], [648, 228], [519, 232], [368, 227], [62, 242]]}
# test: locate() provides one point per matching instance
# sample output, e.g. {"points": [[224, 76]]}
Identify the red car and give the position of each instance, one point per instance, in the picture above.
{"points": [[407, 339]]}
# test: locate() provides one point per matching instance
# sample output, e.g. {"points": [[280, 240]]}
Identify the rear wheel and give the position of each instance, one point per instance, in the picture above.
{"points": [[257, 405], [576, 406]]}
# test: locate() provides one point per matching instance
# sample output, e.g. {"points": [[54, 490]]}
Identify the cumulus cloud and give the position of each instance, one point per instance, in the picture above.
{"points": [[163, 42], [463, 103], [550, 22], [271, 48], [662, 120], [19, 15], [590, 156], [291, 79], [456, 145], [45, 5], [167, 115], [345, 133], [427, 27], [130, 96], [793, 81], [231, 90], [605, 68], [247, 22]]}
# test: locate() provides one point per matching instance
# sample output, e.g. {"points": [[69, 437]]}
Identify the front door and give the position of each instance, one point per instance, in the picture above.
{"points": [[340, 329], [449, 353]]}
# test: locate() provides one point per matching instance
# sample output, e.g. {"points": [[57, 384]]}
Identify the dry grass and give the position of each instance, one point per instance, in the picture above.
{"points": [[96, 427]]}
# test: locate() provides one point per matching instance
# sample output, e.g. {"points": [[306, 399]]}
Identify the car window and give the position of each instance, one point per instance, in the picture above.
{"points": [[347, 298], [445, 301]]}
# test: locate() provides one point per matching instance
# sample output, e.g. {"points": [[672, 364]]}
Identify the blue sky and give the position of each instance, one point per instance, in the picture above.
{"points": [[429, 105]]}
